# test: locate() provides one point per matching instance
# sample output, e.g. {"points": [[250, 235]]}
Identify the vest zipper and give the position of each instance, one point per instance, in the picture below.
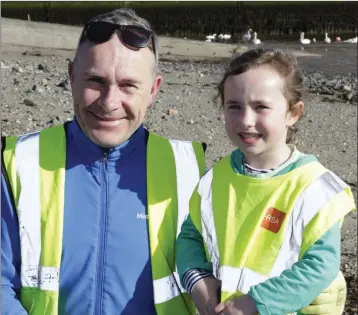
{"points": [[102, 236]]}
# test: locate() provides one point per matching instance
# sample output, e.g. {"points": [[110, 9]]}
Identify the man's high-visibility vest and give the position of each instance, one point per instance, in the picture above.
{"points": [[36, 166], [254, 229]]}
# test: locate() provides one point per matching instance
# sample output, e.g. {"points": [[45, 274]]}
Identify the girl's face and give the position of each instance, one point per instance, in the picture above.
{"points": [[256, 113]]}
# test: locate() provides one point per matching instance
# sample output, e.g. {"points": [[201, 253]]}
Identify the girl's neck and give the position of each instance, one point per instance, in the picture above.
{"points": [[269, 160]]}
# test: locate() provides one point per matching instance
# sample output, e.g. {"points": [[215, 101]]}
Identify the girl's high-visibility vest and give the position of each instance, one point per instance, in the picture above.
{"points": [[254, 229], [35, 165]]}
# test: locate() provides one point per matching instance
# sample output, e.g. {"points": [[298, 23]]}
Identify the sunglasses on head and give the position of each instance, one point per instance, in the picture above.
{"points": [[135, 36]]}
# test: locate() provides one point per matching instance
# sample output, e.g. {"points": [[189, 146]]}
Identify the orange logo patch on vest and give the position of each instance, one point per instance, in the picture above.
{"points": [[273, 220]]}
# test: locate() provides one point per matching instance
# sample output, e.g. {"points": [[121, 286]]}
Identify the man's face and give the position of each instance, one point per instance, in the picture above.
{"points": [[112, 87]]}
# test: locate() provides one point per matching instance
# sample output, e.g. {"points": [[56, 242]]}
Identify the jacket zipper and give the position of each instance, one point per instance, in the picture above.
{"points": [[102, 235]]}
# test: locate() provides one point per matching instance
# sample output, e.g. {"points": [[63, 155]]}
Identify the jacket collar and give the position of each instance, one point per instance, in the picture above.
{"points": [[77, 139]]}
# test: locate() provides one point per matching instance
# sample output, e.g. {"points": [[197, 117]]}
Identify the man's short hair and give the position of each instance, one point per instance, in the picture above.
{"points": [[125, 16]]}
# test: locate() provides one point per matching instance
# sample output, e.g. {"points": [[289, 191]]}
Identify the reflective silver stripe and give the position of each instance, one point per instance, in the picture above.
{"points": [[207, 221], [166, 288], [44, 278], [308, 204], [290, 248], [29, 208], [239, 279], [29, 214], [317, 195], [187, 175]]}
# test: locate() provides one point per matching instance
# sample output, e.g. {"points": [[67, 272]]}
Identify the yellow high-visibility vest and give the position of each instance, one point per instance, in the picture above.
{"points": [[254, 229], [36, 165]]}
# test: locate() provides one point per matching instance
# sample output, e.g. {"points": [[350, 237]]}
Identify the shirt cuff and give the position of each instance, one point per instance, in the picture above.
{"points": [[192, 276]]}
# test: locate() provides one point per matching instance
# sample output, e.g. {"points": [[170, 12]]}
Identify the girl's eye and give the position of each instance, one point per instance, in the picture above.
{"points": [[261, 107]]}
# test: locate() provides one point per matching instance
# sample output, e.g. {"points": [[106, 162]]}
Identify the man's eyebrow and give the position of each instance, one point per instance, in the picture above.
{"points": [[132, 80], [96, 74], [93, 73]]}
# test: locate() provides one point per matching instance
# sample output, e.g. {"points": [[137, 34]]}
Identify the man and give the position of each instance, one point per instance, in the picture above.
{"points": [[91, 209], [74, 223]]}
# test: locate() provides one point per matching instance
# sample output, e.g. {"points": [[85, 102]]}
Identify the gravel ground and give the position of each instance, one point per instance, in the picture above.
{"points": [[35, 94]]}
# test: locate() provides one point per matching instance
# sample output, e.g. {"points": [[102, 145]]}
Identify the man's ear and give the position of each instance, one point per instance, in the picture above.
{"points": [[154, 90], [295, 113]]}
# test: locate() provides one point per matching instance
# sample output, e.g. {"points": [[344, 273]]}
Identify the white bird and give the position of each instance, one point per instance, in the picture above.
{"points": [[246, 37], [352, 40], [327, 40], [210, 36], [304, 40], [226, 36], [255, 40], [207, 40]]}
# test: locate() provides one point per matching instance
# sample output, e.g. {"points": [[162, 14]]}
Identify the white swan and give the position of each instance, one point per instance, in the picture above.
{"points": [[210, 36], [225, 36], [246, 37], [327, 40], [208, 40], [255, 40], [304, 40], [352, 40]]}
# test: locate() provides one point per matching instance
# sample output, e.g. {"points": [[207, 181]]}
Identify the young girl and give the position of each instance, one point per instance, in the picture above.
{"points": [[263, 231]]}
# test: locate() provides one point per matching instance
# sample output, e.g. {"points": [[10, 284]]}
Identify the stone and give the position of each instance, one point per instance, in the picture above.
{"points": [[347, 88], [18, 69], [172, 112], [41, 67], [28, 102], [64, 84]]}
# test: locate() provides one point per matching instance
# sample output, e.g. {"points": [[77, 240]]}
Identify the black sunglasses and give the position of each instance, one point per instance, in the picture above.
{"points": [[100, 32]]}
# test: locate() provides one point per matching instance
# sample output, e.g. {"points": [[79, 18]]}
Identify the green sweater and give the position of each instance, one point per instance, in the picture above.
{"points": [[295, 288]]}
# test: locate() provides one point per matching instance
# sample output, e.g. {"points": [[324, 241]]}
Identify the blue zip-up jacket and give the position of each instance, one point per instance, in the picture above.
{"points": [[105, 265]]}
